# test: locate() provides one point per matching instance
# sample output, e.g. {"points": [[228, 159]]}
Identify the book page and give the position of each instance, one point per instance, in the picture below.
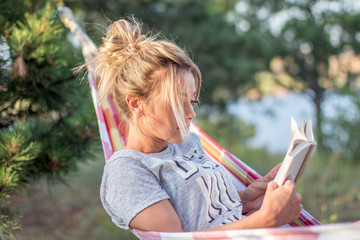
{"points": [[309, 132], [300, 147], [297, 136]]}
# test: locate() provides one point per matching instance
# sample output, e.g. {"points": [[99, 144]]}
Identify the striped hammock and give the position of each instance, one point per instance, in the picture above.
{"points": [[113, 138]]}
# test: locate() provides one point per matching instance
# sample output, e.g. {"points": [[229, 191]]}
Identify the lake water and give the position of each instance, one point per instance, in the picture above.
{"points": [[271, 116]]}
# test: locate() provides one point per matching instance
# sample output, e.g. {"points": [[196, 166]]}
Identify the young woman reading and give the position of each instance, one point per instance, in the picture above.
{"points": [[163, 180]]}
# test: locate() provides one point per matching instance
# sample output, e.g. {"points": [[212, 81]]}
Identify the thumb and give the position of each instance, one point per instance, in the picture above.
{"points": [[272, 186]]}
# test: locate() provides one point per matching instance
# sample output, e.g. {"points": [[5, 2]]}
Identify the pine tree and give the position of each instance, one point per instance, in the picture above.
{"points": [[47, 122]]}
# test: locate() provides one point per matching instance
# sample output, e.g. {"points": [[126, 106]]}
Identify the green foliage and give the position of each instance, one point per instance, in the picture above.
{"points": [[16, 150], [7, 224], [343, 131], [38, 69], [306, 36], [47, 120], [41, 89]]}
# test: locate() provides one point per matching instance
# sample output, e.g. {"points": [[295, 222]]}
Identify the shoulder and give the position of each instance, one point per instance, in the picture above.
{"points": [[123, 161], [126, 178], [123, 157], [128, 168], [131, 163]]}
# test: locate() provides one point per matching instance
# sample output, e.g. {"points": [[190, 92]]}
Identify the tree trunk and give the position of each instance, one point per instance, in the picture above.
{"points": [[318, 99]]}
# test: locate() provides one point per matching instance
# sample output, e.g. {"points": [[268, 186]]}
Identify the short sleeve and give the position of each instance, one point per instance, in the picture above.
{"points": [[127, 188]]}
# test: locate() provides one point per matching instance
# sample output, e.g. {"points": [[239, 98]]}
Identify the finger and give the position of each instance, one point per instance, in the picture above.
{"points": [[299, 212], [260, 185], [298, 198], [289, 181], [272, 186], [271, 175], [289, 184], [299, 209]]}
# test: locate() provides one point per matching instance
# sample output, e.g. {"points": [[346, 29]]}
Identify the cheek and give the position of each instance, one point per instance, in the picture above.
{"points": [[162, 118], [172, 119]]}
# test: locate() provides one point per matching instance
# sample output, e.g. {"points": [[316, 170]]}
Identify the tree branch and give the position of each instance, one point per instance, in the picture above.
{"points": [[61, 81]]}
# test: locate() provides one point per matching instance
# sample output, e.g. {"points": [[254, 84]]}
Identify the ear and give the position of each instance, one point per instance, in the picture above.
{"points": [[135, 104]]}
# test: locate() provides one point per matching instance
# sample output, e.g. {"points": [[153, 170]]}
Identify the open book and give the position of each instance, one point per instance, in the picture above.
{"points": [[300, 148]]}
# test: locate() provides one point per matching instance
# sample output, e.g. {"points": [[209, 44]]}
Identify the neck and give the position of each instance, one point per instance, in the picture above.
{"points": [[148, 145]]}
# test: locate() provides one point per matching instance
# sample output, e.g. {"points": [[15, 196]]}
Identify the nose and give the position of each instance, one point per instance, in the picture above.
{"points": [[189, 111]]}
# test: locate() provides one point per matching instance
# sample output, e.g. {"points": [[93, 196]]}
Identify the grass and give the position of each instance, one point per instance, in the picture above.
{"points": [[330, 188]]}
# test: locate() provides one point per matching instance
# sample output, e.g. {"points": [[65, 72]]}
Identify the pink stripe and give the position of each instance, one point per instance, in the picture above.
{"points": [[253, 175], [117, 118], [108, 130], [292, 233], [108, 152], [91, 79], [107, 148], [310, 218], [148, 235], [100, 114], [115, 113], [210, 235]]}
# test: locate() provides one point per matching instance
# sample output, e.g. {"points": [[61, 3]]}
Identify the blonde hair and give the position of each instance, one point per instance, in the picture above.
{"points": [[130, 62]]}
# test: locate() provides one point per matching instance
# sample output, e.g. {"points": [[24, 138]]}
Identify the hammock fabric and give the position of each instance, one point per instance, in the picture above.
{"points": [[113, 138]]}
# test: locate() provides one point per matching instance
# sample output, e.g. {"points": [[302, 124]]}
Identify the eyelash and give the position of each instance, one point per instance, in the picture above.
{"points": [[194, 102]]}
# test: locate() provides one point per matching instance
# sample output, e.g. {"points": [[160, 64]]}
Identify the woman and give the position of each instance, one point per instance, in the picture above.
{"points": [[163, 180]]}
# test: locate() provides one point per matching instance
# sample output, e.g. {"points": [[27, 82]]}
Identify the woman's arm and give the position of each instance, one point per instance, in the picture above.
{"points": [[281, 205], [160, 217]]}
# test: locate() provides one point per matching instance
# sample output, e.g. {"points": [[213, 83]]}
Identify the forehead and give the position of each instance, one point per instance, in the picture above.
{"points": [[187, 83], [186, 87]]}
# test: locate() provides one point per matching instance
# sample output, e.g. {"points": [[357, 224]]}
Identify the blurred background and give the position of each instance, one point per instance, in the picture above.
{"points": [[262, 62]]}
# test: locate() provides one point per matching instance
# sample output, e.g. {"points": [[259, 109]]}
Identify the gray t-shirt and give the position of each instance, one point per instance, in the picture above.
{"points": [[200, 190]]}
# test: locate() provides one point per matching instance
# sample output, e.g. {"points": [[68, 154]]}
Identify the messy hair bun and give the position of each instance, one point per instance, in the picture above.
{"points": [[132, 62]]}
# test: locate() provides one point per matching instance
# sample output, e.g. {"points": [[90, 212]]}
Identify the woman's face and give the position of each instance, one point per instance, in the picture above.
{"points": [[161, 120]]}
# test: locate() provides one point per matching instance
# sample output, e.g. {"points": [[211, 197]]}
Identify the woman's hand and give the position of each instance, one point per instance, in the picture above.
{"points": [[281, 204], [252, 197]]}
